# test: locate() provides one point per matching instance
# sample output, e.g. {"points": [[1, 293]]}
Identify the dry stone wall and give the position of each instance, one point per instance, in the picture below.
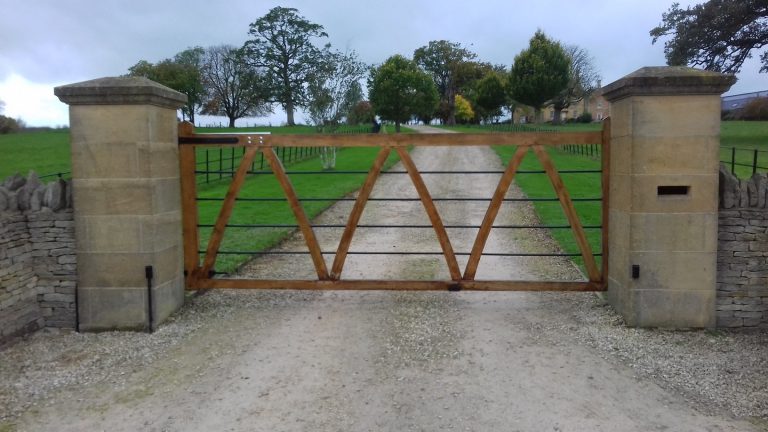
{"points": [[742, 258], [38, 268]]}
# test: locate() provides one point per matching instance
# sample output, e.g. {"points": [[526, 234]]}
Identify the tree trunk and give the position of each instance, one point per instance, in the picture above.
{"points": [[232, 122], [192, 117], [289, 112], [451, 121], [397, 126]]}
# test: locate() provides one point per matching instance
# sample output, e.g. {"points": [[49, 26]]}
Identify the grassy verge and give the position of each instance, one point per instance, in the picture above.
{"points": [[579, 185], [332, 186]]}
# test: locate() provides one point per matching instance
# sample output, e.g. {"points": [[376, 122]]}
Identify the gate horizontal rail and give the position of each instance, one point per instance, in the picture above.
{"points": [[202, 274]]}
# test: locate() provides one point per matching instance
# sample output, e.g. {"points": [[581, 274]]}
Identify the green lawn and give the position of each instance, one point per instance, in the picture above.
{"points": [[746, 138], [579, 185], [332, 186], [48, 152]]}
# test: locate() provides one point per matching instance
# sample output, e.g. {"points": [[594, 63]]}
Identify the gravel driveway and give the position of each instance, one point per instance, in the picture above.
{"points": [[393, 361]]}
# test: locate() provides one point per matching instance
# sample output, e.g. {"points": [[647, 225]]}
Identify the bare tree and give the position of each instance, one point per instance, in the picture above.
{"points": [[582, 80], [335, 88], [235, 89]]}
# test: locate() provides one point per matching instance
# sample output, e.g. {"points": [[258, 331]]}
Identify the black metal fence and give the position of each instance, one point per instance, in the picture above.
{"points": [[744, 162], [591, 150], [215, 164]]}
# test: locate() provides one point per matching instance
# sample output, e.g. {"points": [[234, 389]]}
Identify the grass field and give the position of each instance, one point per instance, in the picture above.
{"points": [[746, 137], [43, 152], [48, 152], [579, 185], [332, 186]]}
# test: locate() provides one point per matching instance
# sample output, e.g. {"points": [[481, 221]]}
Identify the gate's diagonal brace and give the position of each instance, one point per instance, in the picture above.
{"points": [[492, 212], [298, 212], [226, 211], [357, 212], [434, 216], [570, 213]]}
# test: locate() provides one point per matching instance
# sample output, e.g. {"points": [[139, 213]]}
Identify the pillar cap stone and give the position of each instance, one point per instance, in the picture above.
{"points": [[668, 80], [120, 91]]}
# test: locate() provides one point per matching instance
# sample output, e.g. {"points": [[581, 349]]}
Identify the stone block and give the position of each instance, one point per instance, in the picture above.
{"points": [[114, 197], [160, 231], [168, 297], [730, 322], [621, 155], [168, 264], [107, 308], [676, 116], [675, 271], [675, 155], [158, 159], [112, 269], [673, 232], [676, 309], [112, 233], [122, 124], [701, 196], [166, 195]]}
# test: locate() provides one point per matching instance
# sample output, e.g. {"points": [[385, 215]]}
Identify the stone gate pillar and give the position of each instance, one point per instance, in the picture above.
{"points": [[665, 140], [125, 175]]}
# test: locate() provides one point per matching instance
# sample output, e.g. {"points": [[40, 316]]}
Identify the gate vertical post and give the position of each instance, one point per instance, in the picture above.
{"points": [[665, 139], [125, 175]]}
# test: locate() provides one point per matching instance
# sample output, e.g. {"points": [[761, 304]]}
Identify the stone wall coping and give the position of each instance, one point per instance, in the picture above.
{"points": [[120, 91], [668, 80]]}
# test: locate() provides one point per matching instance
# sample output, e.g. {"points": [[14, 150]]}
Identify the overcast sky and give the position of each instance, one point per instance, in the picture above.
{"points": [[46, 43]]}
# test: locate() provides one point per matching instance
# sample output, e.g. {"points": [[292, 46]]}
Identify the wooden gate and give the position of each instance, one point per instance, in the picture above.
{"points": [[199, 264]]}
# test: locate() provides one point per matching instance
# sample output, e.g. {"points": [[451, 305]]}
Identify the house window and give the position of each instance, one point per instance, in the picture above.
{"points": [[600, 104], [600, 115]]}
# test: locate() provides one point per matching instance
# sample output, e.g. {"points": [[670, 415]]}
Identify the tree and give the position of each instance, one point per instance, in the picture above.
{"points": [[399, 90], [335, 88], [10, 125], [192, 60], [361, 112], [235, 90], [582, 80], [445, 61], [282, 45], [756, 109], [490, 94], [539, 73], [181, 76], [717, 35], [464, 111]]}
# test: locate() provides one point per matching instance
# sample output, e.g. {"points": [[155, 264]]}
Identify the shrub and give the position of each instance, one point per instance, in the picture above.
{"points": [[756, 109], [464, 111], [8, 125], [584, 118]]}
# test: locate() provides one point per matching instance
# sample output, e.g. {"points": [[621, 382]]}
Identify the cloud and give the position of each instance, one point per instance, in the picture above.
{"points": [[32, 102], [52, 41]]}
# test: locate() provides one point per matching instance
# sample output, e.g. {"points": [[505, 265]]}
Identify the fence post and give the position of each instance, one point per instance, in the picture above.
{"points": [[664, 195], [754, 162], [125, 176]]}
